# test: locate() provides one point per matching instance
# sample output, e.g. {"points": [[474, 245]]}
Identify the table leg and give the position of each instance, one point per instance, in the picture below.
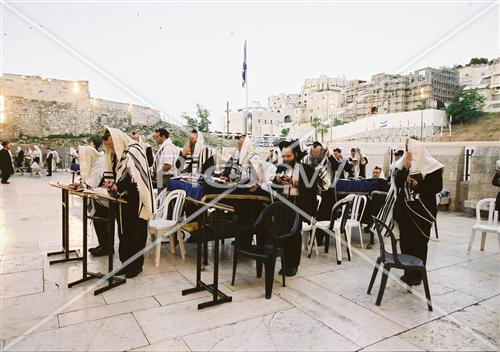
{"points": [[65, 234]]}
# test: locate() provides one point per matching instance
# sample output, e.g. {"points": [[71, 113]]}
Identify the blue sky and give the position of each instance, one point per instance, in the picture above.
{"points": [[175, 55]]}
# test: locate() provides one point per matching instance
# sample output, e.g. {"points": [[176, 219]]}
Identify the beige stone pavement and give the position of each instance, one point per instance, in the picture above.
{"points": [[325, 307]]}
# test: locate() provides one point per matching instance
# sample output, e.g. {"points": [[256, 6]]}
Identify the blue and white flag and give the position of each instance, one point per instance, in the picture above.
{"points": [[244, 73]]}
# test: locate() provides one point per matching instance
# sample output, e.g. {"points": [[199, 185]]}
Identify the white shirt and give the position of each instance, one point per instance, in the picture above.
{"points": [[167, 154]]}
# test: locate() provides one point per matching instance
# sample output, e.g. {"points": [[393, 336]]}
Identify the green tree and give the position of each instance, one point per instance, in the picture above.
{"points": [[316, 122], [203, 116], [191, 122], [478, 61], [466, 106], [322, 129], [284, 132]]}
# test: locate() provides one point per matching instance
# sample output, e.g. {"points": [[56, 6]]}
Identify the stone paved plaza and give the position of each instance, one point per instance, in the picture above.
{"points": [[325, 307]]}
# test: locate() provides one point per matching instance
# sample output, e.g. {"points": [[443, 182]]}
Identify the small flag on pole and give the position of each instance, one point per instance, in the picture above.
{"points": [[244, 73]]}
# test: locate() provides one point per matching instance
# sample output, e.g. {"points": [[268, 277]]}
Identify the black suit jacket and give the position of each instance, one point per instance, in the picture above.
{"points": [[6, 162], [308, 189]]}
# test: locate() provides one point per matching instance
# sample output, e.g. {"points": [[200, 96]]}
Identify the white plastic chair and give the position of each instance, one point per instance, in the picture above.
{"points": [[160, 203], [163, 224], [307, 227], [491, 225], [336, 227], [357, 211]]}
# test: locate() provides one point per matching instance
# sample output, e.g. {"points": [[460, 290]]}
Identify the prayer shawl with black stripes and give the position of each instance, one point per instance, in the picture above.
{"points": [[131, 159], [199, 155], [323, 168]]}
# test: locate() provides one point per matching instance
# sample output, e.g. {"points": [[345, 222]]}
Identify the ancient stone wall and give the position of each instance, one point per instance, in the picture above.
{"points": [[41, 107]]}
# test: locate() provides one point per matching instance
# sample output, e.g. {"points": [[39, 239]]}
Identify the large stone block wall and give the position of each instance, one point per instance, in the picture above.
{"points": [[43, 118], [452, 157], [482, 172], [41, 107], [115, 114]]}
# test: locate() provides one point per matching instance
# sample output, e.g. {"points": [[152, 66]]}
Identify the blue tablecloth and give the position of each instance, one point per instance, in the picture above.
{"points": [[365, 186], [193, 190]]}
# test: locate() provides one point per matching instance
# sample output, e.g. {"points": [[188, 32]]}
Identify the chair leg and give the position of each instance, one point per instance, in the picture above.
{"points": [[374, 276], [348, 232], [158, 249], [426, 288], [360, 235], [327, 243], [338, 246], [171, 242], [235, 264], [483, 240], [471, 241], [381, 290], [311, 242], [180, 239], [304, 239], [270, 264], [316, 245], [258, 266], [283, 268]]}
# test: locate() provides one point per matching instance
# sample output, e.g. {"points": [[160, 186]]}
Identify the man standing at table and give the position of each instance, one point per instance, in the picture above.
{"points": [[6, 165], [126, 160], [297, 182], [337, 162], [92, 176], [195, 153], [164, 162]]}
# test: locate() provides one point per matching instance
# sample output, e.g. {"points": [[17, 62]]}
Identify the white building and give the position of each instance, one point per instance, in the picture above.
{"points": [[259, 117], [486, 79]]}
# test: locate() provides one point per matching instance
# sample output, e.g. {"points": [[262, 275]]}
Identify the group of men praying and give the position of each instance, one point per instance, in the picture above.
{"points": [[128, 167]]}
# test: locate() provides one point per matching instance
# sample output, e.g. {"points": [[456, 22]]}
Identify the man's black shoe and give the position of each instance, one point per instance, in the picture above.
{"points": [[91, 250], [5, 182], [102, 252]]}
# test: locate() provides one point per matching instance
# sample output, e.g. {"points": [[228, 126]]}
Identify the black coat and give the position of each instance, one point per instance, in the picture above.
{"points": [[308, 188], [6, 162], [335, 166]]}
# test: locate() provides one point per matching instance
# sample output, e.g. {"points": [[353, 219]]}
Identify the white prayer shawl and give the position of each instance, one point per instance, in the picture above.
{"points": [[277, 159], [422, 162], [324, 171], [73, 152], [131, 159], [88, 156], [357, 166], [39, 154], [201, 153], [264, 171], [245, 152]]}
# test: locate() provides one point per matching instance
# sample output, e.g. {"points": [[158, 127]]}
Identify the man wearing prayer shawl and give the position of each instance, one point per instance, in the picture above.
{"points": [[194, 153], [92, 176], [297, 182], [418, 177], [126, 160]]}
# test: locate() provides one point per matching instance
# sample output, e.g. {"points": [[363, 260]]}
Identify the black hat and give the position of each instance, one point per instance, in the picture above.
{"points": [[399, 152]]}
